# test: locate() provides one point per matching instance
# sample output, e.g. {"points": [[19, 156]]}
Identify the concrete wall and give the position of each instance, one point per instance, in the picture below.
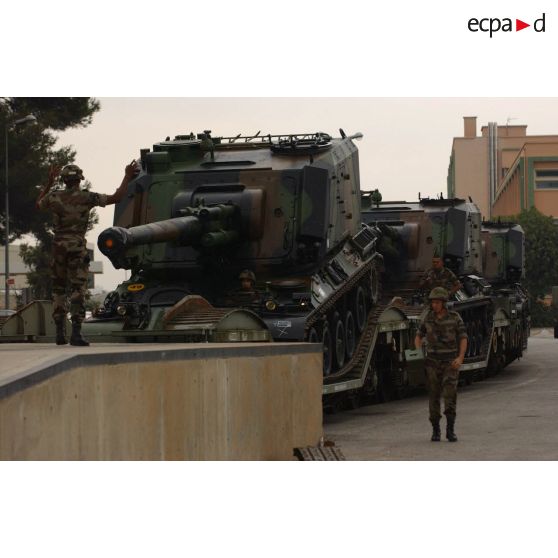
{"points": [[253, 403]]}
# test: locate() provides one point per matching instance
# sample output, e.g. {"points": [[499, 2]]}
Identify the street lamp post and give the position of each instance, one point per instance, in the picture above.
{"points": [[25, 120]]}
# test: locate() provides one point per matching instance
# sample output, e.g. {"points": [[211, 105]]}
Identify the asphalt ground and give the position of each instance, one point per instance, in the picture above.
{"points": [[511, 416]]}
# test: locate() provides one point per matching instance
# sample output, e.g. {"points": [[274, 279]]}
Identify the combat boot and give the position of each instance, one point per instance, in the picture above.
{"points": [[61, 332], [436, 432], [450, 434], [76, 339]]}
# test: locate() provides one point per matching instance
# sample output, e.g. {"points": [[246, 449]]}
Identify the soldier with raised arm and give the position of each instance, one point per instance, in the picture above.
{"points": [[70, 263]]}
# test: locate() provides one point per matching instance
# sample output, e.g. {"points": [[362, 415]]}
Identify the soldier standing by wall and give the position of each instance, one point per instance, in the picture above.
{"points": [[440, 276], [70, 263], [446, 342]]}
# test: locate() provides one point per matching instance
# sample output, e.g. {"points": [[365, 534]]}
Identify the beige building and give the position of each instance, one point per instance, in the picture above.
{"points": [[18, 273], [504, 170]]}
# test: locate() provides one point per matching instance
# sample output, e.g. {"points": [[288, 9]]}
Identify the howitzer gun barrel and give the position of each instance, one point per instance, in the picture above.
{"points": [[209, 227]]}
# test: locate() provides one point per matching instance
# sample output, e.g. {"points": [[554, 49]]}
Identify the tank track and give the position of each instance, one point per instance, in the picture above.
{"points": [[319, 312]]}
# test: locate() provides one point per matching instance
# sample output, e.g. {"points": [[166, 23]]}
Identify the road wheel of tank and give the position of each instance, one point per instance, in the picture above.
{"points": [[374, 284], [313, 336], [350, 334], [326, 349], [339, 341], [360, 309]]}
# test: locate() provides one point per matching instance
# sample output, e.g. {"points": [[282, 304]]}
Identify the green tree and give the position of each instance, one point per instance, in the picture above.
{"points": [[32, 151], [541, 251]]}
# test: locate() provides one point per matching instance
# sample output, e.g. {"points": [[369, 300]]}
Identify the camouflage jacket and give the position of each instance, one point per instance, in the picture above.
{"points": [[70, 209], [445, 278], [442, 336]]}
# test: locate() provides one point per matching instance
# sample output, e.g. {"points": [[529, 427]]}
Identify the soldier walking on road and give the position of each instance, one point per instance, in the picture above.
{"points": [[70, 263], [446, 343], [440, 276]]}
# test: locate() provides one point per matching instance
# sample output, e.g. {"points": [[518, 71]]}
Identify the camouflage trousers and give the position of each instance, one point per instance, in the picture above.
{"points": [[442, 382], [70, 266]]}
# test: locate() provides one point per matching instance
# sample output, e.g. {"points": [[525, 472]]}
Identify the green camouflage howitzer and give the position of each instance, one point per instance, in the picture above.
{"points": [[413, 233], [281, 210], [504, 266]]}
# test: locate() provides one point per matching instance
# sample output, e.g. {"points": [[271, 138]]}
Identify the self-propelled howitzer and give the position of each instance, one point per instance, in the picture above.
{"points": [[488, 264], [282, 211]]}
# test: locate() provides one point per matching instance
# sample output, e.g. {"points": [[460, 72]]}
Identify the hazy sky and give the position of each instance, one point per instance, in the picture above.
{"points": [[405, 149]]}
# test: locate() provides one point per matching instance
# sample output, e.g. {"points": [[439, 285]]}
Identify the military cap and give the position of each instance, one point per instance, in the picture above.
{"points": [[247, 274], [70, 172], [439, 293]]}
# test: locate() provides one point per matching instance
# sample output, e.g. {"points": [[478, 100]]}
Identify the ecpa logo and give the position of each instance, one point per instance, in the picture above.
{"points": [[494, 24]]}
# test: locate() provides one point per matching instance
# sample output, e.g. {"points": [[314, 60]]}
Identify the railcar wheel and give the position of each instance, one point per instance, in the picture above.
{"points": [[339, 341], [360, 309], [469, 350], [386, 389], [326, 349], [350, 334], [313, 336], [473, 340], [480, 337]]}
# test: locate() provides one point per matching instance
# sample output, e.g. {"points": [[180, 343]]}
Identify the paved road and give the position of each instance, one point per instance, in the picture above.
{"points": [[511, 416]]}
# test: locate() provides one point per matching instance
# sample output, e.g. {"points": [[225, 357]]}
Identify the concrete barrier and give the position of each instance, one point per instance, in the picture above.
{"points": [[217, 402]]}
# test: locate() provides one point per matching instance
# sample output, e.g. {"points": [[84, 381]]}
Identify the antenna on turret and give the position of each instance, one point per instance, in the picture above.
{"points": [[375, 197], [251, 138], [207, 144], [343, 135], [470, 199], [419, 198]]}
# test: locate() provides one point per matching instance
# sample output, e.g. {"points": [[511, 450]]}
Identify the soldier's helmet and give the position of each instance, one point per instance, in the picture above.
{"points": [[71, 172], [247, 274], [439, 293]]}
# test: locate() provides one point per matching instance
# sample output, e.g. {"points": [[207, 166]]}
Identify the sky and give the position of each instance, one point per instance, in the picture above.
{"points": [[405, 149]]}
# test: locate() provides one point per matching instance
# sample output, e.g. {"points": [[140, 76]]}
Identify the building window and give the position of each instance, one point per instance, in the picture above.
{"points": [[546, 179]]}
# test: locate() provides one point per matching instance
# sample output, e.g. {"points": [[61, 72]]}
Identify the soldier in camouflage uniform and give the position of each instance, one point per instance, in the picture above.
{"points": [[440, 276], [446, 342], [70, 263], [247, 294]]}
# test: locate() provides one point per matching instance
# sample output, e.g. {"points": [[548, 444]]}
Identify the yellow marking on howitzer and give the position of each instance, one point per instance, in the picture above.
{"points": [[135, 287]]}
